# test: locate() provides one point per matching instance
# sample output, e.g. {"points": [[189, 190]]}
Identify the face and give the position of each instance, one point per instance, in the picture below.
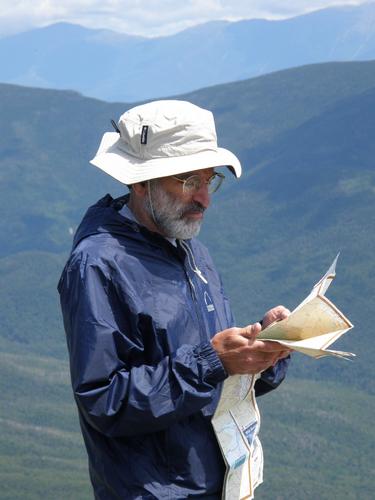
{"points": [[177, 214]]}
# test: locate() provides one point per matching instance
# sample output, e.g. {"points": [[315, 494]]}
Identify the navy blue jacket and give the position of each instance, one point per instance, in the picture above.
{"points": [[139, 314]]}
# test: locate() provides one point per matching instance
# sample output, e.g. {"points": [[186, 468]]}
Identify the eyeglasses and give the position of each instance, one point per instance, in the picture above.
{"points": [[194, 182]]}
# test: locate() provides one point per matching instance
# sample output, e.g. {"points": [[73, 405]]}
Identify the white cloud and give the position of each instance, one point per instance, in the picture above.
{"points": [[148, 17]]}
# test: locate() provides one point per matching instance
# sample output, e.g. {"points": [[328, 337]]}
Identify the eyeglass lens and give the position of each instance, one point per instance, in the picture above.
{"points": [[194, 183]]}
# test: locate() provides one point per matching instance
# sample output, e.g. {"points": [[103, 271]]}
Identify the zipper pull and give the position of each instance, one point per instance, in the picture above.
{"points": [[199, 273]]}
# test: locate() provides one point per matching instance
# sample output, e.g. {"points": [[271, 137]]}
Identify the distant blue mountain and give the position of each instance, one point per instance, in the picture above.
{"points": [[118, 67]]}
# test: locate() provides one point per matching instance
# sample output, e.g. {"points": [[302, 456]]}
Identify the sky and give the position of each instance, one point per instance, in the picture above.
{"points": [[148, 17]]}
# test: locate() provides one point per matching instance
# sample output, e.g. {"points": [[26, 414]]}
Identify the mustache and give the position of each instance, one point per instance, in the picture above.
{"points": [[194, 207]]}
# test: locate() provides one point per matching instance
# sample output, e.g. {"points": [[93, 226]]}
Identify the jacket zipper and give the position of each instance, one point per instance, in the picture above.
{"points": [[198, 272]]}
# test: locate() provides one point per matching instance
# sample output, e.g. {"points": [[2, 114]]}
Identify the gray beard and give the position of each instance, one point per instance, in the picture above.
{"points": [[167, 213]]}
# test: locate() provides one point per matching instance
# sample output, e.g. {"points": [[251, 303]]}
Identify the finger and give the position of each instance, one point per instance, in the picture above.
{"points": [[281, 312], [285, 313], [251, 331]]}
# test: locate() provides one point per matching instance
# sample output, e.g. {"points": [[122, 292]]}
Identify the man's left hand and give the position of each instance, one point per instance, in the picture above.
{"points": [[275, 314]]}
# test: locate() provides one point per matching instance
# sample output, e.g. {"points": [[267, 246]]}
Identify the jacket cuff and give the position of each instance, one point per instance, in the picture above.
{"points": [[215, 371], [272, 377]]}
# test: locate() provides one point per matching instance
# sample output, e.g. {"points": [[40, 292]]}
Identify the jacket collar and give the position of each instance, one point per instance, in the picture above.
{"points": [[105, 217]]}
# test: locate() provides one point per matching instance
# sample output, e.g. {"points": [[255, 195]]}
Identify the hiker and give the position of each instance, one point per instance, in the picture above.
{"points": [[150, 332]]}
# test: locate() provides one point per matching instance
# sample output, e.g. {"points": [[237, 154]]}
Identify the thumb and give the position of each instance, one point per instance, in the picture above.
{"points": [[251, 331]]}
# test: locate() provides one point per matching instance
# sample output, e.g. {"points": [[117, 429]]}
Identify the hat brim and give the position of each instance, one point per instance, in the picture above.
{"points": [[128, 169]]}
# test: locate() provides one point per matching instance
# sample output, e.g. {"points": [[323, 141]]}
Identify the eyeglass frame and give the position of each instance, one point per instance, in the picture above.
{"points": [[208, 182]]}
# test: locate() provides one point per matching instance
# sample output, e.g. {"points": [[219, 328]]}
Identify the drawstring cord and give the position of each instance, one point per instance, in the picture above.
{"points": [[192, 262], [150, 201]]}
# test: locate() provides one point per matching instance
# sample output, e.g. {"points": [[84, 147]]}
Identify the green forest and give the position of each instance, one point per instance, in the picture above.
{"points": [[305, 140]]}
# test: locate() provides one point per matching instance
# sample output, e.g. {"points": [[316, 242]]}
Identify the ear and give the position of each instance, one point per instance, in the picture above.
{"points": [[140, 189]]}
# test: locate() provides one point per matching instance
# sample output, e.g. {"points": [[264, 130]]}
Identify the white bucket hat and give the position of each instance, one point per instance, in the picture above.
{"points": [[162, 138]]}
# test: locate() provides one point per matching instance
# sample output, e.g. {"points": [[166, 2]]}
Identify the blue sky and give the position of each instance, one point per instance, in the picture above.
{"points": [[148, 17]]}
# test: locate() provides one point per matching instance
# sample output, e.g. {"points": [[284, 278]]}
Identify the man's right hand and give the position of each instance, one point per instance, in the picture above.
{"points": [[241, 353]]}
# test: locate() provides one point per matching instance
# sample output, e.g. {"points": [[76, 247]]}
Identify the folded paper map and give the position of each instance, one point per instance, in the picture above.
{"points": [[314, 325], [236, 424]]}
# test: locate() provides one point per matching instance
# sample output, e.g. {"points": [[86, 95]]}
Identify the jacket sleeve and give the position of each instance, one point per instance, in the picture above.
{"points": [[115, 395], [272, 377]]}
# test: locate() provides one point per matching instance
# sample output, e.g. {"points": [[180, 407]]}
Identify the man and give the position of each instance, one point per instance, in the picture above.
{"points": [[150, 333]]}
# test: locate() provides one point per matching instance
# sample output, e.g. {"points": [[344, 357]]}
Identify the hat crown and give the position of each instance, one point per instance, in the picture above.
{"points": [[162, 129]]}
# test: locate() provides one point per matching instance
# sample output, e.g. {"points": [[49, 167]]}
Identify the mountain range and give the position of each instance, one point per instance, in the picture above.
{"points": [[118, 67], [305, 137]]}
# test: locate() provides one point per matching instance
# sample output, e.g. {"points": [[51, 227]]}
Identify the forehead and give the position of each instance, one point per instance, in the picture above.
{"points": [[204, 172]]}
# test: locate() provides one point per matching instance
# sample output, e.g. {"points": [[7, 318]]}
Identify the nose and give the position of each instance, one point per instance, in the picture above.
{"points": [[202, 195]]}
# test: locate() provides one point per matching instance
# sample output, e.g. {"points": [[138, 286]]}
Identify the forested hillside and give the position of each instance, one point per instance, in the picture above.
{"points": [[305, 138]]}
